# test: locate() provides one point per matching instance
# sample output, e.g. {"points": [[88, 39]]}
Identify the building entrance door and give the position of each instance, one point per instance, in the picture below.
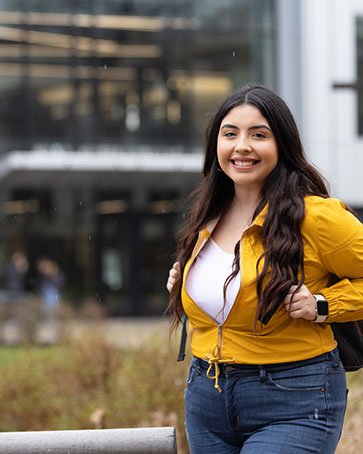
{"points": [[133, 252]]}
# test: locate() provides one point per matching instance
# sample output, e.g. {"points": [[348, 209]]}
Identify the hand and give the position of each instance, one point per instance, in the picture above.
{"points": [[302, 304], [174, 275]]}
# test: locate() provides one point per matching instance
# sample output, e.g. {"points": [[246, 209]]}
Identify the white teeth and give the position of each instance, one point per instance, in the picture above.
{"points": [[244, 163]]}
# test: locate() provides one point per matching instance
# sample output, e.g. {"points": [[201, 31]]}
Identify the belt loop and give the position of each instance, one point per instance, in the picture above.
{"points": [[334, 356], [262, 370]]}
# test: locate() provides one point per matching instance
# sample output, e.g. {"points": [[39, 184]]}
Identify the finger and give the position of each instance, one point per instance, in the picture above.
{"points": [[176, 266], [298, 314], [290, 298], [170, 284], [294, 295], [173, 279], [174, 273], [295, 310], [292, 289], [294, 306], [301, 309]]}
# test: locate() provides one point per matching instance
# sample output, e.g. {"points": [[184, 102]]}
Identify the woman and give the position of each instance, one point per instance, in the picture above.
{"points": [[265, 377]]}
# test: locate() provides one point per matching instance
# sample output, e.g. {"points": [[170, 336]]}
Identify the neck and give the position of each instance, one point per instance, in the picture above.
{"points": [[245, 200]]}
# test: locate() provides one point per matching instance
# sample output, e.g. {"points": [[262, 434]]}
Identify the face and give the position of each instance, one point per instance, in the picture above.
{"points": [[246, 147]]}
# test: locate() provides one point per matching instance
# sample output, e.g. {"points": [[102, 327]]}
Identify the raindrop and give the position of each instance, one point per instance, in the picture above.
{"points": [[90, 237], [233, 54], [105, 66], [80, 203]]}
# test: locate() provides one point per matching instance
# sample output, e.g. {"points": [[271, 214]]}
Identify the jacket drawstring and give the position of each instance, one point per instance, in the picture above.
{"points": [[215, 359]]}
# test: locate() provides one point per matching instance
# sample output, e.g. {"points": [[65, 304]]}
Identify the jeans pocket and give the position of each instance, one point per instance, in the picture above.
{"points": [[193, 371], [301, 393], [298, 381]]}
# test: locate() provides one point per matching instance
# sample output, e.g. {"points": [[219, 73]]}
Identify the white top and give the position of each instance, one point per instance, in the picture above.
{"points": [[206, 278]]}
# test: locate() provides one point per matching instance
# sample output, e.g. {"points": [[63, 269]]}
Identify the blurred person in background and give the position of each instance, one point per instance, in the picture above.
{"points": [[50, 282], [254, 269], [16, 273], [14, 282]]}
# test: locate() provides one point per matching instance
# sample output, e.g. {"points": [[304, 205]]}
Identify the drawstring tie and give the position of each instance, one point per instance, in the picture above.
{"points": [[214, 358]]}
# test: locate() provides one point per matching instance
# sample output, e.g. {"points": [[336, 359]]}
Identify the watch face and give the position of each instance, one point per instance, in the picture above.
{"points": [[322, 307]]}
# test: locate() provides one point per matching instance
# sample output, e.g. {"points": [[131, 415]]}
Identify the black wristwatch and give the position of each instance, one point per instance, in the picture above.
{"points": [[322, 308]]}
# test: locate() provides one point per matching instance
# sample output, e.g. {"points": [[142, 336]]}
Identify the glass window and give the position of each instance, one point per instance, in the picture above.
{"points": [[115, 75], [82, 73]]}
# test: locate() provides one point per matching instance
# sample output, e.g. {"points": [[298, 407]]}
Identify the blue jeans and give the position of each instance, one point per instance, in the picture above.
{"points": [[290, 408]]}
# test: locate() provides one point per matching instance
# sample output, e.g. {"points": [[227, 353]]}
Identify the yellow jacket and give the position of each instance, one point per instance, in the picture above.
{"points": [[333, 244]]}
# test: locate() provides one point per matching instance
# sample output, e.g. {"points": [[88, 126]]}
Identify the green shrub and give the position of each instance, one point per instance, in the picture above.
{"points": [[88, 383]]}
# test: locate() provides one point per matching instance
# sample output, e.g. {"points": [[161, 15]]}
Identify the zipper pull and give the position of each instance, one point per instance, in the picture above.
{"points": [[220, 337]]}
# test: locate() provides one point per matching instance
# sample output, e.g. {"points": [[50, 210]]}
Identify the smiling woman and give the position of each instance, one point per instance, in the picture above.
{"points": [[255, 264]]}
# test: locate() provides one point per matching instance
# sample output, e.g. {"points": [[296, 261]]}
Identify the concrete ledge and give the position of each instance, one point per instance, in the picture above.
{"points": [[159, 440]]}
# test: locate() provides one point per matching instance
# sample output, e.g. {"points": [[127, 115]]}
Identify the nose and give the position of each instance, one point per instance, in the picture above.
{"points": [[243, 144]]}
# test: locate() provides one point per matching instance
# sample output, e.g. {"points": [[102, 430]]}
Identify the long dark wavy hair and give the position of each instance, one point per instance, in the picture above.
{"points": [[292, 179]]}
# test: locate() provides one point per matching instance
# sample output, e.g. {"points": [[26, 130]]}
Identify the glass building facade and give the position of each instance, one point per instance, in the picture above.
{"points": [[359, 26], [110, 78]]}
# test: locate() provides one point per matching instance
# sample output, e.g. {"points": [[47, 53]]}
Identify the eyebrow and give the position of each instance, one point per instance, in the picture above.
{"points": [[230, 126]]}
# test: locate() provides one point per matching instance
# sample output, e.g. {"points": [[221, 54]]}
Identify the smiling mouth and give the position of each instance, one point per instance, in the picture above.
{"points": [[244, 164]]}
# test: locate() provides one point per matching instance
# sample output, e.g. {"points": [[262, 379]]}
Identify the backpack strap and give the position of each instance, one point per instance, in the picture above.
{"points": [[183, 339], [269, 314]]}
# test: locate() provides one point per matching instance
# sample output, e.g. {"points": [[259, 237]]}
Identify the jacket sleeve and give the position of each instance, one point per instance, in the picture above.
{"points": [[340, 242]]}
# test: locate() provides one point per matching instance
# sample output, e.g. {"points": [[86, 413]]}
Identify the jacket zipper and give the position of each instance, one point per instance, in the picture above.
{"points": [[220, 340], [220, 326]]}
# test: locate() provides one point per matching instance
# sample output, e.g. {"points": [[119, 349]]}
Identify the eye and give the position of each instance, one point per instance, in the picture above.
{"points": [[259, 135], [229, 134]]}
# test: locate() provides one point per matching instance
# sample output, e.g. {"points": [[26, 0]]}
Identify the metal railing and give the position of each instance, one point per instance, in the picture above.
{"points": [[159, 440]]}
